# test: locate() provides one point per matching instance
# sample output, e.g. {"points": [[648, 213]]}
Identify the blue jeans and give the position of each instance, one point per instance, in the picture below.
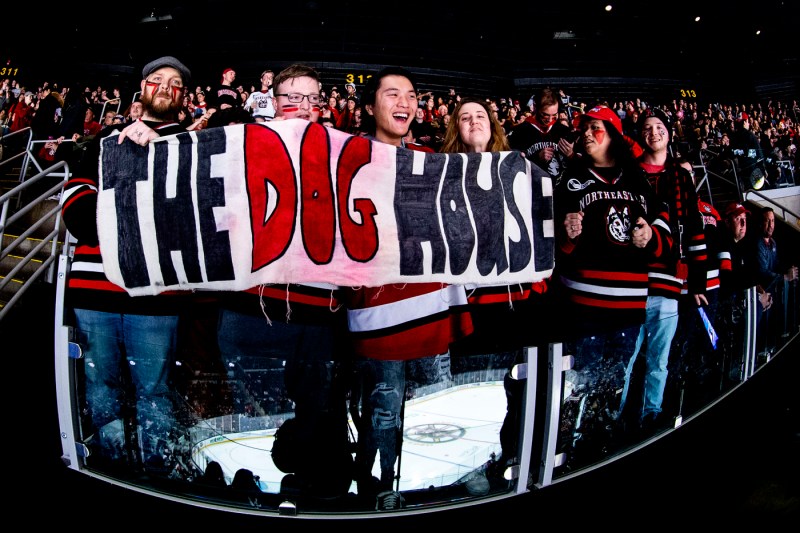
{"points": [[383, 386], [122, 351], [659, 329], [304, 352]]}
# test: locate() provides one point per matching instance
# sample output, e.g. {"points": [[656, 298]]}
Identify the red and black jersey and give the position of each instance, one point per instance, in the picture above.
{"points": [[674, 187], [718, 262], [531, 137], [301, 303], [601, 271], [87, 284], [406, 321]]}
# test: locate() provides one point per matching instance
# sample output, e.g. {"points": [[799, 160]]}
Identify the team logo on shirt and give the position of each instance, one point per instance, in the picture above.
{"points": [[575, 185], [619, 224]]}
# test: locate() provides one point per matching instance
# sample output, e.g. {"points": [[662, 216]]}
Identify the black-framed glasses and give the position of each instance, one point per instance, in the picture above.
{"points": [[296, 98]]}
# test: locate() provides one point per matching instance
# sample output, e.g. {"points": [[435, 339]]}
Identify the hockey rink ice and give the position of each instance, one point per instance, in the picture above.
{"points": [[440, 444]]}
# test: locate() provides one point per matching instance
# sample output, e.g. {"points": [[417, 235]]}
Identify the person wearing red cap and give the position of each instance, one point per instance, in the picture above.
{"points": [[224, 95], [743, 276], [686, 261], [612, 227]]}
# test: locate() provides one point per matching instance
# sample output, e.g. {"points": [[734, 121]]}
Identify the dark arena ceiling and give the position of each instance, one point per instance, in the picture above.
{"points": [[746, 48]]}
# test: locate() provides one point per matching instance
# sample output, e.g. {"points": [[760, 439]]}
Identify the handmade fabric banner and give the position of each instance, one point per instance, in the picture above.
{"points": [[291, 201]]}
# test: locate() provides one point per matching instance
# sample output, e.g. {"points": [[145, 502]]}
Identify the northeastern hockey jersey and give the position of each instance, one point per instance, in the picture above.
{"points": [[603, 275], [531, 137]]}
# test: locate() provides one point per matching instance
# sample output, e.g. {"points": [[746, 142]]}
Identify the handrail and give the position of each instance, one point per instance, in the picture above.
{"points": [[708, 173], [53, 214], [775, 206], [22, 153], [112, 101]]}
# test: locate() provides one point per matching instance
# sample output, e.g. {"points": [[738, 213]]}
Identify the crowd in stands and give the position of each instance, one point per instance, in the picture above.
{"points": [[718, 127]]}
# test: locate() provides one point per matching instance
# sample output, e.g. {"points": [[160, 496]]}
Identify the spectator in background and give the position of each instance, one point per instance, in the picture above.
{"points": [[134, 111], [751, 168], [260, 103], [108, 118], [90, 126], [544, 140], [423, 131], [351, 92], [213, 475], [223, 95], [773, 277], [345, 120], [44, 123], [200, 105], [743, 275], [246, 486], [22, 114]]}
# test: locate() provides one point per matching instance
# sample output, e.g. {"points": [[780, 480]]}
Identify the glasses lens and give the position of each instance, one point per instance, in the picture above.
{"points": [[296, 98]]}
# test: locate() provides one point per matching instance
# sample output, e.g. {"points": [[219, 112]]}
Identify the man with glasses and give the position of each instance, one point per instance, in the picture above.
{"points": [[296, 329], [545, 141], [297, 93]]}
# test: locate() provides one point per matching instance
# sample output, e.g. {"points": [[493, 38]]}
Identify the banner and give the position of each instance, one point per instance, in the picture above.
{"points": [[291, 201]]}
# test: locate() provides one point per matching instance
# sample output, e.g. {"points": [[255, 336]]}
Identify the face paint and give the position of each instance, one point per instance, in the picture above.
{"points": [[599, 136], [290, 108], [177, 92], [153, 87]]}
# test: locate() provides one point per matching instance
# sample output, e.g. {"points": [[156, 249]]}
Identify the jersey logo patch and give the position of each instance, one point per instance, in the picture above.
{"points": [[619, 225]]}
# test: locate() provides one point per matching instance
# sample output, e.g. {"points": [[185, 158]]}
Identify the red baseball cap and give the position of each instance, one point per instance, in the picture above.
{"points": [[226, 71], [734, 209], [602, 112]]}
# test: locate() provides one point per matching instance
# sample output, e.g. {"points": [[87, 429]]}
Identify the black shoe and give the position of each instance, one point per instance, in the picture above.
{"points": [[389, 500]]}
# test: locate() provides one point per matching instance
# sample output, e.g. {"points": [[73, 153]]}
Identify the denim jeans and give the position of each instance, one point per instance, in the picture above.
{"points": [[122, 351], [304, 353], [659, 329], [383, 386]]}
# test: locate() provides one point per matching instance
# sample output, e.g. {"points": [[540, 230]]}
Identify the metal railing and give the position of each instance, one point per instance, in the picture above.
{"points": [[8, 217], [789, 216]]}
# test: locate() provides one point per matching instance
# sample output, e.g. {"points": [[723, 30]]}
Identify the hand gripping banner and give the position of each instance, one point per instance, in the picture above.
{"points": [[291, 201]]}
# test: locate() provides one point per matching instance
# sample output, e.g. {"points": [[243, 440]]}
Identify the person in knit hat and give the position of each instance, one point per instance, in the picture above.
{"points": [[686, 263]]}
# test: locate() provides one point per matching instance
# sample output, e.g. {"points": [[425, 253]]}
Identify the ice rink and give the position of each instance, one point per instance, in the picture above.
{"points": [[440, 444]]}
